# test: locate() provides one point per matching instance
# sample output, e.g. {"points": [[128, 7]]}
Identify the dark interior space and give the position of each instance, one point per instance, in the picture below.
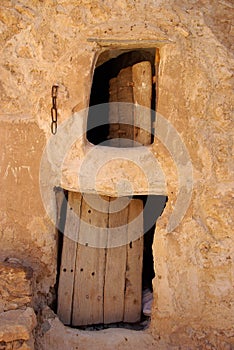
{"points": [[153, 209]]}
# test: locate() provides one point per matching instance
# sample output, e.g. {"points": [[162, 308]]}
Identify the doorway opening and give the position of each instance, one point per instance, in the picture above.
{"points": [[105, 256], [102, 275], [127, 78]]}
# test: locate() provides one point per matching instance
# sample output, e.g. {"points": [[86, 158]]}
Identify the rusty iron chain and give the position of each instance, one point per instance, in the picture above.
{"points": [[54, 111]]}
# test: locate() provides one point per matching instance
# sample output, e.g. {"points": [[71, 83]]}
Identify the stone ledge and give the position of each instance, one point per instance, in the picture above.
{"points": [[56, 336], [115, 171]]}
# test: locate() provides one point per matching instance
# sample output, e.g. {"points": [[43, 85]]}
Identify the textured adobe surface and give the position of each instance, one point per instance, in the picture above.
{"points": [[48, 42], [15, 286]]}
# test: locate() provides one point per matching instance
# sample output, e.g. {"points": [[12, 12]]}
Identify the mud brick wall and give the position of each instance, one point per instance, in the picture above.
{"points": [[45, 42]]}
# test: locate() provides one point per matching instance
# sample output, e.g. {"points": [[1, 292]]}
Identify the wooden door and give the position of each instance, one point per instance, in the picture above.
{"points": [[102, 283], [129, 121]]}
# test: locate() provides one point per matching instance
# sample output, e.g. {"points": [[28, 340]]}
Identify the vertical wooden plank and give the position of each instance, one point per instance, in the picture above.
{"points": [[66, 280], [113, 113], [115, 266], [142, 95], [133, 291], [122, 114], [90, 262], [125, 95]]}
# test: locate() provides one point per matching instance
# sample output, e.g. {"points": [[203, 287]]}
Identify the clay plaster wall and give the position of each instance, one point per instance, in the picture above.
{"points": [[48, 42]]}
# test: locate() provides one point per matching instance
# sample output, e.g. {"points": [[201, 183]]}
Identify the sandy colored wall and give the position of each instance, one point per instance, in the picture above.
{"points": [[45, 43]]}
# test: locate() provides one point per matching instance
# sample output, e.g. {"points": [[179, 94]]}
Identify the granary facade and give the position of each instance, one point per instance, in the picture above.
{"points": [[51, 52]]}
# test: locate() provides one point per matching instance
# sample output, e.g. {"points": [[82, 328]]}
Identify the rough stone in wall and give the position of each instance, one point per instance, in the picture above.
{"points": [[16, 329], [15, 286]]}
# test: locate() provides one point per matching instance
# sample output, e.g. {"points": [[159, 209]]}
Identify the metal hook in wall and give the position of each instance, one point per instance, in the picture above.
{"points": [[54, 111]]}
